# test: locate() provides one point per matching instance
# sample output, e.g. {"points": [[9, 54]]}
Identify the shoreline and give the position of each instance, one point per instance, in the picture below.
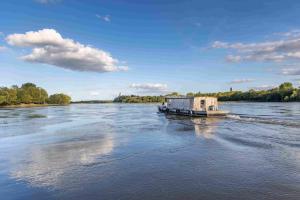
{"points": [[46, 105], [30, 105]]}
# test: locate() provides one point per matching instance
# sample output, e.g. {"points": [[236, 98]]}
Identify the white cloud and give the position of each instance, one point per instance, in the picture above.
{"points": [[263, 87], [286, 48], [150, 87], [47, 1], [239, 81], [292, 33], [232, 58], [291, 71], [104, 18], [49, 163], [49, 47], [219, 45], [94, 93]]}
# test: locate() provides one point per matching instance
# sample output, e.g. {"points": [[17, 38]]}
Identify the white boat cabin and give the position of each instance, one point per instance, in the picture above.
{"points": [[192, 103]]}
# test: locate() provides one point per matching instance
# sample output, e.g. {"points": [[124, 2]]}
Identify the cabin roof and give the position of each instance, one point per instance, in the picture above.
{"points": [[179, 97], [186, 97]]}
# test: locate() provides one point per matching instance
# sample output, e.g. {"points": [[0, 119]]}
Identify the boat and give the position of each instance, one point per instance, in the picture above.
{"points": [[192, 106]]}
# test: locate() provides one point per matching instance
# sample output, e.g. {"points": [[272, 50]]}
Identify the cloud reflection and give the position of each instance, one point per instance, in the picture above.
{"points": [[46, 165]]}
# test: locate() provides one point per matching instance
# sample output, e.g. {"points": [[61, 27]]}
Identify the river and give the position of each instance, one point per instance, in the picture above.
{"points": [[129, 151]]}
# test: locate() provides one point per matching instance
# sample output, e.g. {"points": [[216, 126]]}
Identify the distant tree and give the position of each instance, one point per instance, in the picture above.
{"points": [[285, 90], [27, 93], [28, 85], [24, 97], [286, 86], [173, 94], [8, 96], [14, 87], [61, 99]]}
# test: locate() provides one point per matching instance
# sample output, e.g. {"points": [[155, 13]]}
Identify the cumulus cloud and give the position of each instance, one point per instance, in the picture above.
{"points": [[239, 81], [286, 48], [150, 87], [104, 18], [49, 47]]}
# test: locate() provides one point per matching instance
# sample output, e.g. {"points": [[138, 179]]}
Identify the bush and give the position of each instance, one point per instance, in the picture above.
{"points": [[61, 99]]}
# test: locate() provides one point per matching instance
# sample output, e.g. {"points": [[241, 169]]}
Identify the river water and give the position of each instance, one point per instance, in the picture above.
{"points": [[129, 151]]}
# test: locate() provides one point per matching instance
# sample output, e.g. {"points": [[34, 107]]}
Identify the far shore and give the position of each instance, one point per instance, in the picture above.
{"points": [[105, 102], [31, 105]]}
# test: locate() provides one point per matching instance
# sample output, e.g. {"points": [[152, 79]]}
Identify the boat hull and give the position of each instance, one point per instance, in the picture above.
{"points": [[193, 113]]}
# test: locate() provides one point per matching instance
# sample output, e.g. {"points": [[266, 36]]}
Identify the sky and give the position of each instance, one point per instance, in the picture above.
{"points": [[98, 49]]}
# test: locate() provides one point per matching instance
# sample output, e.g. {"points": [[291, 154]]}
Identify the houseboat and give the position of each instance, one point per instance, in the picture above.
{"points": [[191, 106]]}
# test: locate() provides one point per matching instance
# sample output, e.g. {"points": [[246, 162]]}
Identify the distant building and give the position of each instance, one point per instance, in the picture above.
{"points": [[230, 89]]}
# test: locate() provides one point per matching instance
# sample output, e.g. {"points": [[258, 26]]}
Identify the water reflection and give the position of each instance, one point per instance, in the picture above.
{"points": [[47, 165], [127, 151], [205, 127], [202, 126]]}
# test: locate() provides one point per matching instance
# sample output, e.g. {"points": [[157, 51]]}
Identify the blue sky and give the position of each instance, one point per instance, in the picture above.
{"points": [[97, 49]]}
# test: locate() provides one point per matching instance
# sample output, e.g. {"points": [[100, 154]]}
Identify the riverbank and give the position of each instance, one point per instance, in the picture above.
{"points": [[31, 105]]}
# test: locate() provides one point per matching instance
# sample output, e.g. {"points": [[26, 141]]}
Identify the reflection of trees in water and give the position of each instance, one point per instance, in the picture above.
{"points": [[46, 165], [203, 126]]}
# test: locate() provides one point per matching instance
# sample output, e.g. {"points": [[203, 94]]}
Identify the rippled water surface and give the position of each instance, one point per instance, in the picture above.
{"points": [[129, 151]]}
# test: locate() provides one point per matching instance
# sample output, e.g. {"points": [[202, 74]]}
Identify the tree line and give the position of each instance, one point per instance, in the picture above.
{"points": [[138, 99], [29, 93], [284, 93]]}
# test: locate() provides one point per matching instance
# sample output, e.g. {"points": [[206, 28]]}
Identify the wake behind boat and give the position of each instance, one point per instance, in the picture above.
{"points": [[192, 106]]}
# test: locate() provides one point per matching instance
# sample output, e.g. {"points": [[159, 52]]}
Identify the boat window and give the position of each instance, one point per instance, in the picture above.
{"points": [[202, 101]]}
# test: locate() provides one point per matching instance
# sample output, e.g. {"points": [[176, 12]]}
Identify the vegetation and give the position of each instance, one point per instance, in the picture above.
{"points": [[29, 93], [59, 99], [139, 99], [284, 93]]}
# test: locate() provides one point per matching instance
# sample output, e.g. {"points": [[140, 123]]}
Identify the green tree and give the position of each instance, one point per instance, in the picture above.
{"points": [[173, 94], [8, 96], [190, 94], [24, 97], [28, 85], [286, 86], [61, 99]]}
